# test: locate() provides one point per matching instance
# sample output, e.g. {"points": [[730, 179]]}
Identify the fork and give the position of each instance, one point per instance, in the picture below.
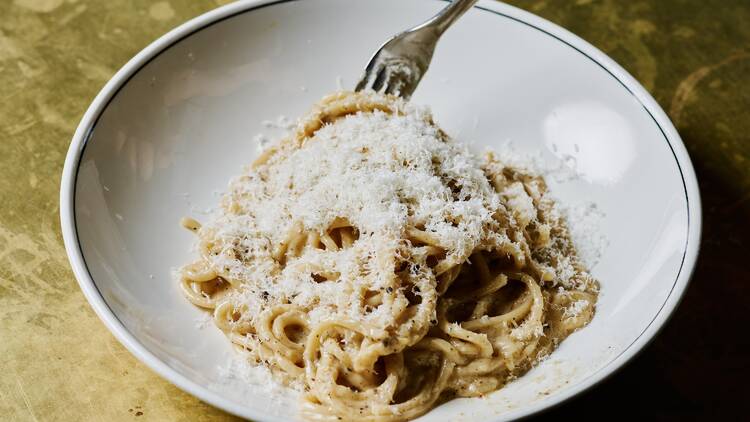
{"points": [[398, 66]]}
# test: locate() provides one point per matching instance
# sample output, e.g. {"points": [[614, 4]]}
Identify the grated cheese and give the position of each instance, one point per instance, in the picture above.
{"points": [[240, 379], [379, 170], [383, 172], [583, 219], [576, 308]]}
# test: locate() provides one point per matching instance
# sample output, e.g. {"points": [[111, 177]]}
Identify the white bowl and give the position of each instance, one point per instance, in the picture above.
{"points": [[179, 120]]}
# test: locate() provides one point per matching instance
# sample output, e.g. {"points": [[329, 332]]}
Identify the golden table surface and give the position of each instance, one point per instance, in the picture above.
{"points": [[58, 362]]}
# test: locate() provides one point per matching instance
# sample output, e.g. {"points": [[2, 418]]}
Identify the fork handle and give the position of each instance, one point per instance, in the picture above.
{"points": [[450, 14]]}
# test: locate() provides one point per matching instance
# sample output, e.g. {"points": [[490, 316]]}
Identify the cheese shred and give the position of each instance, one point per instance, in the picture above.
{"points": [[381, 268]]}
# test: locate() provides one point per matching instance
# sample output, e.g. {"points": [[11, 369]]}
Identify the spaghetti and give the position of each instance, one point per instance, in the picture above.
{"points": [[378, 266]]}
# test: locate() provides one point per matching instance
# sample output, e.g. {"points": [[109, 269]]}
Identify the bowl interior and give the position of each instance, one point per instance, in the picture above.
{"points": [[183, 124]]}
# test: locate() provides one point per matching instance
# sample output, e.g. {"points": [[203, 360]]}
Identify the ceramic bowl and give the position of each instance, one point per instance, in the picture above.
{"points": [[178, 120]]}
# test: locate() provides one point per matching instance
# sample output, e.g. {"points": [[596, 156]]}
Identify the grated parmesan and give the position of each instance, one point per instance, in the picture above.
{"points": [[576, 308], [241, 379], [383, 172], [584, 219], [380, 171]]}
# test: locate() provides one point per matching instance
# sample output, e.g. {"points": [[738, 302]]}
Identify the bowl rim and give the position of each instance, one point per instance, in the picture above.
{"points": [[185, 30]]}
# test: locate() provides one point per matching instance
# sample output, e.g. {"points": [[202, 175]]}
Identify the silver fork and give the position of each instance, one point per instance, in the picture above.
{"points": [[398, 66]]}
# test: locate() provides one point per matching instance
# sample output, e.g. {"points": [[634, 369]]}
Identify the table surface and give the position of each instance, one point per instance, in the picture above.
{"points": [[59, 362]]}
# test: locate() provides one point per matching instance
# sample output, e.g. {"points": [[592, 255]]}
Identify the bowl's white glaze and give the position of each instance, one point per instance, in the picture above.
{"points": [[179, 119]]}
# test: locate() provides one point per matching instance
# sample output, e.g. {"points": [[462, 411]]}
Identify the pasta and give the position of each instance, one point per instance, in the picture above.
{"points": [[379, 267]]}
